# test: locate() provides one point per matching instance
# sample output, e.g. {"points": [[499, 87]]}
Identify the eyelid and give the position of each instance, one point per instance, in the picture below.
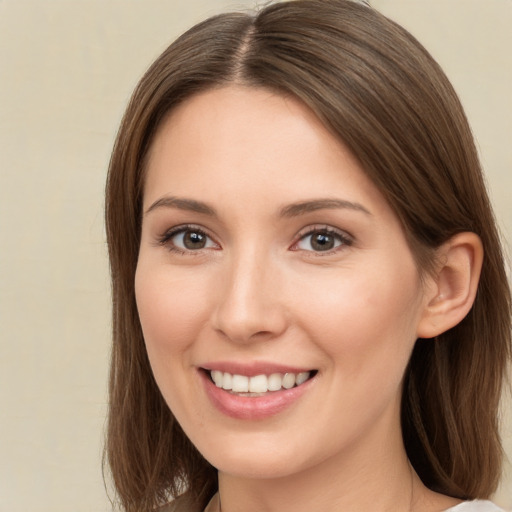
{"points": [[164, 239], [346, 238]]}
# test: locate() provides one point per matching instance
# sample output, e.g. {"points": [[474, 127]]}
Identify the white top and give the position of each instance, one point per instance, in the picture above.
{"points": [[183, 505], [476, 506]]}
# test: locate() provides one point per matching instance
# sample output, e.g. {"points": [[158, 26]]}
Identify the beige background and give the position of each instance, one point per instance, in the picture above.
{"points": [[66, 71]]}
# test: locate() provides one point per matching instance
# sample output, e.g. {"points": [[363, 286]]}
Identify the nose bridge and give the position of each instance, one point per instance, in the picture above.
{"points": [[248, 305]]}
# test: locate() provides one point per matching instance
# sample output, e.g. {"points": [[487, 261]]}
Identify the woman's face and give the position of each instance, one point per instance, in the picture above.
{"points": [[277, 294]]}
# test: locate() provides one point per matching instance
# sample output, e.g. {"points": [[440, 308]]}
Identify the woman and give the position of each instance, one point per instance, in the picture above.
{"points": [[310, 303]]}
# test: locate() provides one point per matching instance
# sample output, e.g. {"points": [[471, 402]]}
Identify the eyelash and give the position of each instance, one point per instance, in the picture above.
{"points": [[166, 238], [344, 239]]}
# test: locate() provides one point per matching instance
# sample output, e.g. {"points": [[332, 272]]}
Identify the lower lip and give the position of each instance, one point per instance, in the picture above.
{"points": [[252, 408]]}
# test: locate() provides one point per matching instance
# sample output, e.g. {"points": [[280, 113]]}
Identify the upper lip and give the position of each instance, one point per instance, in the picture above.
{"points": [[251, 369]]}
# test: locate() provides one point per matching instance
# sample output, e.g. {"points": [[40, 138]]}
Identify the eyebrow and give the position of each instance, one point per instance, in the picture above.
{"points": [[296, 209], [190, 205], [292, 210]]}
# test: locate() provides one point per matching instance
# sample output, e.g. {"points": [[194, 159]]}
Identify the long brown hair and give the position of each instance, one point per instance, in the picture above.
{"points": [[374, 86]]}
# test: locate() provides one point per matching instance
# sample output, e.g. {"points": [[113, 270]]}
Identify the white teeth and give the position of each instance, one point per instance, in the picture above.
{"points": [[275, 381], [227, 381], [258, 383], [288, 380], [217, 377], [240, 384], [301, 378]]}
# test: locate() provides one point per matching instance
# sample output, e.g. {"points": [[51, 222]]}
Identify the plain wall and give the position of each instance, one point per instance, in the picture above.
{"points": [[67, 68]]}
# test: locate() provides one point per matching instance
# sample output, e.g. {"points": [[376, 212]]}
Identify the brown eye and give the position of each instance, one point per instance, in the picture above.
{"points": [[194, 240], [322, 240], [188, 239]]}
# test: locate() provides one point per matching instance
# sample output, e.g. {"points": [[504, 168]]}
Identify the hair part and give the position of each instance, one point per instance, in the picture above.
{"points": [[379, 91]]}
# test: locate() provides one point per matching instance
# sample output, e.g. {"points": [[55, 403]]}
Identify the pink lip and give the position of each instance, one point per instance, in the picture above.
{"points": [[252, 408]]}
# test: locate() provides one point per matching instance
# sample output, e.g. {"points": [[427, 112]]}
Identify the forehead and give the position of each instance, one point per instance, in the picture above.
{"points": [[240, 142], [236, 116]]}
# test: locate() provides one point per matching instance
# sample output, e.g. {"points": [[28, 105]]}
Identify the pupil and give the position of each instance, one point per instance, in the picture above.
{"points": [[322, 242], [194, 240]]}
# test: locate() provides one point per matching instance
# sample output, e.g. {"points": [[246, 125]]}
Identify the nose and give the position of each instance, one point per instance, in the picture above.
{"points": [[250, 305]]}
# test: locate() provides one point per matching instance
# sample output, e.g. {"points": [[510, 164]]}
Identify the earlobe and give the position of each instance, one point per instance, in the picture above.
{"points": [[453, 287]]}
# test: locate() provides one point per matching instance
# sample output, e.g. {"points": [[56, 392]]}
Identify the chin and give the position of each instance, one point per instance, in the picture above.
{"points": [[263, 468], [259, 458]]}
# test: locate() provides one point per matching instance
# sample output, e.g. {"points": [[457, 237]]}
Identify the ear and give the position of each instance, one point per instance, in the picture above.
{"points": [[451, 290]]}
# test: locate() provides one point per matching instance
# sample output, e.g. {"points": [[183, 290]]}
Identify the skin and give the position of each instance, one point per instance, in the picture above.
{"points": [[258, 291]]}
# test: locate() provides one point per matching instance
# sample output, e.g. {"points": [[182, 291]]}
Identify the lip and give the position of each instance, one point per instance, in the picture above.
{"points": [[252, 408]]}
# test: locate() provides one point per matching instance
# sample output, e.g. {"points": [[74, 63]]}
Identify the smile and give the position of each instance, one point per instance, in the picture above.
{"points": [[254, 394], [258, 384]]}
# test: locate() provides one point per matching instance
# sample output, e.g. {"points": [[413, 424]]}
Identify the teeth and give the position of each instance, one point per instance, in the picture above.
{"points": [[240, 384], [258, 383], [301, 378], [227, 381], [275, 381], [217, 377], [288, 380]]}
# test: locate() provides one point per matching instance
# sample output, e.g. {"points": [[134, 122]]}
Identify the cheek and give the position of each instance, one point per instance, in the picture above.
{"points": [[169, 310], [365, 316], [170, 316]]}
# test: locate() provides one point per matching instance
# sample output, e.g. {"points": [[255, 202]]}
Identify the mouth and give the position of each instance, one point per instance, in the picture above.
{"points": [[255, 391], [258, 385]]}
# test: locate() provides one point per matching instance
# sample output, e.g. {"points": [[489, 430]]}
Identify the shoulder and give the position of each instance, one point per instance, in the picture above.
{"points": [[476, 506]]}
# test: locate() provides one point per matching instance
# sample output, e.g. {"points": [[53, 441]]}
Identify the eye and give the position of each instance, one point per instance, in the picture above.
{"points": [[322, 240], [187, 238]]}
